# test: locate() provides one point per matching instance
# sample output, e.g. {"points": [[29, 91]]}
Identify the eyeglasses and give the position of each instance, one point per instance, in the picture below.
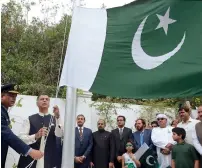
{"points": [[129, 145], [160, 119]]}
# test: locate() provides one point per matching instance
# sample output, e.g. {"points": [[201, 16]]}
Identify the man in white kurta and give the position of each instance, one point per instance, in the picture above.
{"points": [[187, 123], [162, 139]]}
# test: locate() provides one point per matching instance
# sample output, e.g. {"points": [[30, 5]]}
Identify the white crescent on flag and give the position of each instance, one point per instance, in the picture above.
{"points": [[142, 59]]}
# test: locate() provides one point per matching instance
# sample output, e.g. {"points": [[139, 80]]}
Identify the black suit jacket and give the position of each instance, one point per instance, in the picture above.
{"points": [[8, 138], [120, 143]]}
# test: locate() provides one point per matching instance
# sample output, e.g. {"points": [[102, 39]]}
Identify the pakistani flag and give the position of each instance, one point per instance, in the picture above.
{"points": [[146, 49], [146, 157]]}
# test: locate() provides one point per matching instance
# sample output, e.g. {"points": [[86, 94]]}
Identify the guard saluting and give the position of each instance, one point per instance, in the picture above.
{"points": [[8, 138]]}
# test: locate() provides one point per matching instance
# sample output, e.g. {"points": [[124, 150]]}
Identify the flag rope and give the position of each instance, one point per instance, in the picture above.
{"points": [[57, 89], [63, 46]]}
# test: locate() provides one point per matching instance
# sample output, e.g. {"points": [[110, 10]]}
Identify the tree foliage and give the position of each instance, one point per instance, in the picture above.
{"points": [[31, 54], [174, 103]]}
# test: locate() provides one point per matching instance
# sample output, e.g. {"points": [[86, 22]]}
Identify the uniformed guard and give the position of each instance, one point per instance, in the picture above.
{"points": [[8, 138]]}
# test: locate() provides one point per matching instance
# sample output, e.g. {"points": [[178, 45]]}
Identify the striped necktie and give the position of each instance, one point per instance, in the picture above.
{"points": [[80, 132]]}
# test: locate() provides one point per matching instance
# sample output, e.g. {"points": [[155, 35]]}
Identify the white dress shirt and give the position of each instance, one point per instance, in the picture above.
{"points": [[24, 133], [196, 142], [189, 127], [160, 138]]}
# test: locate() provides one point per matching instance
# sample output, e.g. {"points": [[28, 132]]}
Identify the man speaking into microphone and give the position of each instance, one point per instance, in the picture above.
{"points": [[39, 130]]}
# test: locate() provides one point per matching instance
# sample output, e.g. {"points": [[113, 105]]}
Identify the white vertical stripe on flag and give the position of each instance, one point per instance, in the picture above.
{"points": [[141, 151], [85, 48]]}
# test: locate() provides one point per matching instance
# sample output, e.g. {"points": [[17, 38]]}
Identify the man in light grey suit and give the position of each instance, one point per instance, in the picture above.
{"points": [[142, 135]]}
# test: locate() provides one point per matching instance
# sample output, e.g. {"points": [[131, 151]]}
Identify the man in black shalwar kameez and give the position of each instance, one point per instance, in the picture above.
{"points": [[32, 131], [103, 147]]}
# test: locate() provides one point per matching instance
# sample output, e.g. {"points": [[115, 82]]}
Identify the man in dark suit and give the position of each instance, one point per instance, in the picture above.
{"points": [[142, 135], [8, 138], [83, 144], [121, 136], [103, 147]]}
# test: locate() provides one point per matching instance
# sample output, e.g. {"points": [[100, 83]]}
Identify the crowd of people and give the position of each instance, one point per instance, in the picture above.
{"points": [[176, 145]]}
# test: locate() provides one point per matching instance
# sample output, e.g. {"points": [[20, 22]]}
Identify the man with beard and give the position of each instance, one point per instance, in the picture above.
{"points": [[142, 135], [197, 135], [103, 147], [36, 127], [162, 139], [8, 138], [121, 136]]}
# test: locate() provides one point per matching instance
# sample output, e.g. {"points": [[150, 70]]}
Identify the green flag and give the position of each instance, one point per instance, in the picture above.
{"points": [[146, 157], [146, 49], [148, 160]]}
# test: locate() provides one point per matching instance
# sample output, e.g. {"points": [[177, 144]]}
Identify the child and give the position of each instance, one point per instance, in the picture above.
{"points": [[183, 155], [128, 158]]}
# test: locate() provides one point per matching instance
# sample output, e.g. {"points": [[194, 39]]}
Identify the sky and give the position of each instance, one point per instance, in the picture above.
{"points": [[64, 7]]}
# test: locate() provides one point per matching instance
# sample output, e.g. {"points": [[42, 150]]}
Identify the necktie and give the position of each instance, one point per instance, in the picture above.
{"points": [[121, 132], [80, 132], [141, 138]]}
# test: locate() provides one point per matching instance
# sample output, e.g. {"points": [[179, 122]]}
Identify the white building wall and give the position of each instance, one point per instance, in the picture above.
{"points": [[28, 107]]}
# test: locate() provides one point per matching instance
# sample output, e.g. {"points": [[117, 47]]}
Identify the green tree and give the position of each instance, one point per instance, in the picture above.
{"points": [[31, 52]]}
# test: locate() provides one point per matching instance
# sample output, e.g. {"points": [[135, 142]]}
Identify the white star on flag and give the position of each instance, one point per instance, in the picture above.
{"points": [[165, 21]]}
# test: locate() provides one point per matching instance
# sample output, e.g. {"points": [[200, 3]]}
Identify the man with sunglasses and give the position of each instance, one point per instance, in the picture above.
{"points": [[187, 123], [162, 139], [103, 147], [121, 136]]}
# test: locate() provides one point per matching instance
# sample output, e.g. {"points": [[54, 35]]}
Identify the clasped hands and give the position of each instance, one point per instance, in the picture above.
{"points": [[79, 159], [167, 149]]}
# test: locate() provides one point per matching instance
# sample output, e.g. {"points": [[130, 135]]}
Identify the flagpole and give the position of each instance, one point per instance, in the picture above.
{"points": [[69, 122], [69, 129]]}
